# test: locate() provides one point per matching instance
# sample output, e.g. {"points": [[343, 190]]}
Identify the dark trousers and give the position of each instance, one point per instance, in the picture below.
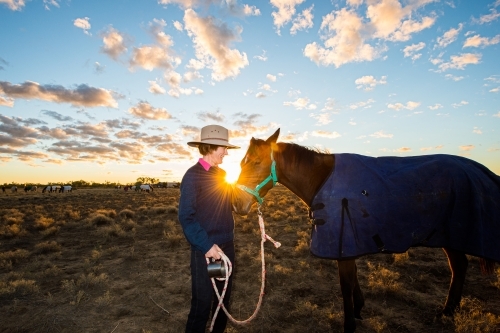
{"points": [[203, 297]]}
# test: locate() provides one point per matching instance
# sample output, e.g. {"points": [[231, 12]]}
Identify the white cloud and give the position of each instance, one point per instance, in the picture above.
{"points": [[271, 77], [409, 106], [211, 41], [449, 36], [301, 103], [48, 3], [302, 21], [435, 106], [369, 82], [343, 40], [381, 135], [6, 101], [178, 25], [286, 10], [144, 110], [387, 18], [466, 147], [411, 50], [83, 23], [114, 43], [155, 88], [14, 4], [262, 57], [488, 18], [457, 105], [322, 118], [82, 95], [478, 41], [365, 104], [260, 94], [151, 57], [403, 150], [250, 10], [477, 130], [453, 77], [326, 134], [495, 90], [460, 61], [497, 115]]}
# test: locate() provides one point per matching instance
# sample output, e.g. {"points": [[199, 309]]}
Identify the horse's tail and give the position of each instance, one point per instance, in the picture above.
{"points": [[487, 266]]}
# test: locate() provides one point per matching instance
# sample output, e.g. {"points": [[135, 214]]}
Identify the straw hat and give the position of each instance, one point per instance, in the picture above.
{"points": [[213, 135]]}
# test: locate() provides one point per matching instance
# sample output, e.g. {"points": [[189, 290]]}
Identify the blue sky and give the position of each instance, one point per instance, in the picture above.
{"points": [[113, 90]]}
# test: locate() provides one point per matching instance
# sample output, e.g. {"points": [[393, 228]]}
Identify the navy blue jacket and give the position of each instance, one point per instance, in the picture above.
{"points": [[205, 210]]}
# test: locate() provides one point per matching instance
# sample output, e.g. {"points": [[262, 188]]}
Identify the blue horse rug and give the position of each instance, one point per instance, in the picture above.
{"points": [[389, 204]]}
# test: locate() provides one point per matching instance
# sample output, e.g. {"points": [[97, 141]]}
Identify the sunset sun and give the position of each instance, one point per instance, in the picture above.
{"points": [[232, 173]]}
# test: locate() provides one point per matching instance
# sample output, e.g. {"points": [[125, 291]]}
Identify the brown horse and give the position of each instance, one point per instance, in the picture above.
{"points": [[305, 172]]}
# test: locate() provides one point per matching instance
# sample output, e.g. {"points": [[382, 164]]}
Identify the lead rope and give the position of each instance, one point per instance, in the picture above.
{"points": [[228, 266]]}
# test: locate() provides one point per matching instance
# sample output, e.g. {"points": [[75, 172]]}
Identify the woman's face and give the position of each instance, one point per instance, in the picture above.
{"points": [[216, 156]]}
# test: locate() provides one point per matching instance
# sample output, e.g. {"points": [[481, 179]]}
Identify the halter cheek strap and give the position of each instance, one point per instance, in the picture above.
{"points": [[255, 192]]}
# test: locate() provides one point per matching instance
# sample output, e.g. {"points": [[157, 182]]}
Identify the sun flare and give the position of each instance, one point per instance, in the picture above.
{"points": [[232, 173]]}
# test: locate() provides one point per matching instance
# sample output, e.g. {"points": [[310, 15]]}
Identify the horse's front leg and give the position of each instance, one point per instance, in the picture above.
{"points": [[351, 293]]}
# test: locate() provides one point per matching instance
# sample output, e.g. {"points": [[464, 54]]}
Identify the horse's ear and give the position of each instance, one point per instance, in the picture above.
{"points": [[273, 138]]}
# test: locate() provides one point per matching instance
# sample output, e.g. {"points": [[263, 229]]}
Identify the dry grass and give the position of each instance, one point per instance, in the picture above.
{"points": [[472, 318], [92, 260]]}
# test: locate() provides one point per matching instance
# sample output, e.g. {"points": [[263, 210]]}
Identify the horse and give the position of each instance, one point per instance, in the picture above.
{"points": [[362, 205], [65, 188], [30, 188], [146, 187], [13, 189]]}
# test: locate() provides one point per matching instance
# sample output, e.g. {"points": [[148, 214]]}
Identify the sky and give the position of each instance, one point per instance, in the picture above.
{"points": [[113, 90]]}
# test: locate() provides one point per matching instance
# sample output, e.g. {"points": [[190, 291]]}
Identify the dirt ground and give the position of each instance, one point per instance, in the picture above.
{"points": [[106, 260]]}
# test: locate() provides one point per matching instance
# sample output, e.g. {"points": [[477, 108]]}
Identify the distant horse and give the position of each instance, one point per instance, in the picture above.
{"points": [[146, 187], [362, 205], [65, 188], [13, 189], [51, 188], [30, 188]]}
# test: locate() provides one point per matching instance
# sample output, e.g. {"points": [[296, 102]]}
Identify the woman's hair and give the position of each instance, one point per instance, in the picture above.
{"points": [[206, 148]]}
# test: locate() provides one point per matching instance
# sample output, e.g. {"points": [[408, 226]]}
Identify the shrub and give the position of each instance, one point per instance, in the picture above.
{"points": [[106, 212], [100, 219], [126, 213], [22, 287], [47, 247]]}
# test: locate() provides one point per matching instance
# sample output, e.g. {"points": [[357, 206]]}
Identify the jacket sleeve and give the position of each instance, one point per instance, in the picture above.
{"points": [[193, 231]]}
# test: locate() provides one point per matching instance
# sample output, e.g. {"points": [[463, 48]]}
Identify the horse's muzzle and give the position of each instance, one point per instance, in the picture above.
{"points": [[242, 201]]}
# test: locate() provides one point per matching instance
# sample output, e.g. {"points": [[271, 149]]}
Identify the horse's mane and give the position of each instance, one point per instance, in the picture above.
{"points": [[297, 154]]}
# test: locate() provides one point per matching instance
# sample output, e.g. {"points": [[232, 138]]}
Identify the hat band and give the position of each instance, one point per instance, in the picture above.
{"points": [[214, 139]]}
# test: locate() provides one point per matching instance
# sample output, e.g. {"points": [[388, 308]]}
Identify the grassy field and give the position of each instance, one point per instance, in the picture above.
{"points": [[105, 260]]}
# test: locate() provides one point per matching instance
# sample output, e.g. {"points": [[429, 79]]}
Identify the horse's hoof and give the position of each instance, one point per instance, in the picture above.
{"points": [[358, 317]]}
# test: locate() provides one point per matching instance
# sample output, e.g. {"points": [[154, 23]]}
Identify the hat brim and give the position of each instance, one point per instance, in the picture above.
{"points": [[214, 142]]}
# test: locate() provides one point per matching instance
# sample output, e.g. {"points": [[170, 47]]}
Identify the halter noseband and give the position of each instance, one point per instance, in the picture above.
{"points": [[255, 192]]}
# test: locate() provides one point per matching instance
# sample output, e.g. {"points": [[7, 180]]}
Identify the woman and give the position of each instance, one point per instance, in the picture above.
{"points": [[205, 213]]}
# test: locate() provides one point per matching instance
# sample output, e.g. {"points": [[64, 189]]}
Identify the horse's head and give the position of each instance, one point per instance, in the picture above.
{"points": [[258, 174]]}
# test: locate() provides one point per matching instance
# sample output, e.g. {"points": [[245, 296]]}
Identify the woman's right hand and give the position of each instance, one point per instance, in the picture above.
{"points": [[214, 252]]}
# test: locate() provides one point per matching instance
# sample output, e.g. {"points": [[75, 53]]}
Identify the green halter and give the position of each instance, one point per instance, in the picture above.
{"points": [[272, 177]]}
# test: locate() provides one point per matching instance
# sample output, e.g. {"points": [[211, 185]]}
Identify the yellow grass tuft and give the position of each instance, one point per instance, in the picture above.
{"points": [[471, 318], [43, 222], [400, 258], [22, 287], [380, 279]]}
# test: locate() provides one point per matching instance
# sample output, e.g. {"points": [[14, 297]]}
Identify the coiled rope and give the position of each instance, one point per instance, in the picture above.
{"points": [[229, 268]]}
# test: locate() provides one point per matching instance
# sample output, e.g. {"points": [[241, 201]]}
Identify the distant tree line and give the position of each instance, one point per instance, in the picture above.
{"points": [[89, 184]]}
